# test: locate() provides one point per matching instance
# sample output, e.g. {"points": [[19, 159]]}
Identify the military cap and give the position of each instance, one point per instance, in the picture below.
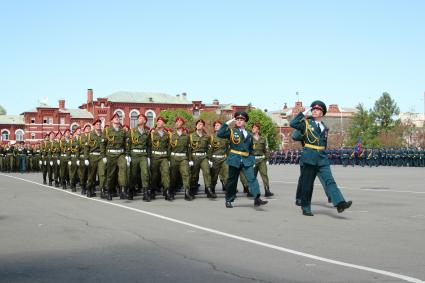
{"points": [[162, 119], [94, 123], [178, 118], [317, 104], [142, 115], [241, 114]]}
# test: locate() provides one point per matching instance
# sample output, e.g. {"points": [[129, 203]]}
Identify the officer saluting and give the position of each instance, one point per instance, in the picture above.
{"points": [[241, 158], [314, 159]]}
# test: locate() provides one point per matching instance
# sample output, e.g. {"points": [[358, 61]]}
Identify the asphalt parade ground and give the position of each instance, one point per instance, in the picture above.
{"points": [[51, 235]]}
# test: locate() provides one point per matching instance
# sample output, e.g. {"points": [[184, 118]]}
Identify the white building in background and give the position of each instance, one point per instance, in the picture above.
{"points": [[417, 119]]}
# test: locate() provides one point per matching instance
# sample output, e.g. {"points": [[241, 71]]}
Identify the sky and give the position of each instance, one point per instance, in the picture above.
{"points": [[259, 52]]}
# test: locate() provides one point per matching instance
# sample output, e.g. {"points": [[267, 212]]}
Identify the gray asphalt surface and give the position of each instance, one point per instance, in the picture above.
{"points": [[50, 235]]}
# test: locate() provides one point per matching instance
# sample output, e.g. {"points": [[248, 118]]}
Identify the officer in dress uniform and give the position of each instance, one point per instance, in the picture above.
{"points": [[314, 160], [241, 158]]}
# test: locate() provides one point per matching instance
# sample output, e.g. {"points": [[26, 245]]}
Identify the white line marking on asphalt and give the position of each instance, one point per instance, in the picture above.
{"points": [[354, 189], [232, 236]]}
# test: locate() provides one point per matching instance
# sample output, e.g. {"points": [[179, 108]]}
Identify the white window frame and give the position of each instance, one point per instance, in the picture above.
{"points": [[8, 135], [131, 112], [16, 135], [72, 125], [153, 117]]}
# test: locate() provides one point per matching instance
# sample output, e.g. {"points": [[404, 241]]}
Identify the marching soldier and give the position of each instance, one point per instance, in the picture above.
{"points": [[63, 166], [139, 152], [241, 158], [116, 160], [73, 155], [199, 145], [261, 152], [82, 167], [21, 154], [93, 154], [54, 158], [160, 167], [219, 148], [44, 157], [179, 157], [314, 160], [9, 152]]}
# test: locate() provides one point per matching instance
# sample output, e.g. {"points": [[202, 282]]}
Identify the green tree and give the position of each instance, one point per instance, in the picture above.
{"points": [[171, 114], [384, 113], [362, 125], [268, 128]]}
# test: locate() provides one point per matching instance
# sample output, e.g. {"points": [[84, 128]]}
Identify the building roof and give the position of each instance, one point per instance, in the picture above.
{"points": [[78, 113], [146, 97], [12, 119]]}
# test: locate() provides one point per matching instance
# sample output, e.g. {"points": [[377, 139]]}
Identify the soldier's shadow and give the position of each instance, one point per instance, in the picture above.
{"points": [[330, 213]]}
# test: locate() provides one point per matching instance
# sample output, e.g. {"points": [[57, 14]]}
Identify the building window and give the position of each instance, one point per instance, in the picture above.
{"points": [[5, 135], [133, 118], [151, 117], [32, 120], [19, 134], [62, 120], [102, 105], [47, 120], [102, 121], [73, 127], [196, 112], [33, 136]]}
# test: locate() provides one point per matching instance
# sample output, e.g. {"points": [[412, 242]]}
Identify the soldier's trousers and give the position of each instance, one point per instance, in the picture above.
{"points": [[53, 169], [22, 163], [160, 172], [299, 185], [232, 181], [63, 169], [96, 167], [179, 165], [44, 167], [83, 171], [139, 167], [73, 170], [261, 166], [116, 165], [200, 163], [309, 175], [219, 169], [9, 162]]}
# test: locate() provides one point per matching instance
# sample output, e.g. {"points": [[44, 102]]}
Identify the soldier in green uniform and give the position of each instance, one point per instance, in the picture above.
{"points": [[21, 155], [73, 155], [179, 158], [1, 157], [139, 151], [261, 152], [241, 158], [117, 159], [219, 149], [94, 153], [54, 158], [199, 146], [9, 160], [44, 152], [82, 167], [63, 166], [160, 166], [314, 159]]}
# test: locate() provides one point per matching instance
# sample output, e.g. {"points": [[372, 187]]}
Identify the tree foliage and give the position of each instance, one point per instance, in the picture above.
{"points": [[171, 114], [268, 128], [384, 112]]}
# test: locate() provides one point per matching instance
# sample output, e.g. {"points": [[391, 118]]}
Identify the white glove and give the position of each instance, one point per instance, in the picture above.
{"points": [[40, 162], [267, 163], [190, 163], [69, 163], [104, 160], [78, 162], [230, 121], [306, 112], [45, 162], [86, 162], [210, 163], [149, 161], [51, 163], [58, 162], [253, 166], [128, 159]]}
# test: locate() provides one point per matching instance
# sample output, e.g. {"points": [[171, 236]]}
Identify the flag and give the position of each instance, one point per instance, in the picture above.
{"points": [[358, 146]]}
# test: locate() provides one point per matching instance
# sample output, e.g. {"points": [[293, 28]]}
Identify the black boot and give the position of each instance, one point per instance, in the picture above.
{"points": [[108, 195], [83, 189], [56, 184], [209, 193], [130, 193], [343, 205], [187, 195], [258, 201], [89, 192], [50, 183], [44, 182], [171, 193], [122, 194], [146, 194], [223, 186], [167, 195], [268, 193], [73, 188], [64, 185], [103, 193]]}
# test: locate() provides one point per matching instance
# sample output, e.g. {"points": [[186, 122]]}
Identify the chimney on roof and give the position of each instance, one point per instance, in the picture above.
{"points": [[62, 104], [184, 95], [150, 99], [178, 96], [216, 102], [89, 96]]}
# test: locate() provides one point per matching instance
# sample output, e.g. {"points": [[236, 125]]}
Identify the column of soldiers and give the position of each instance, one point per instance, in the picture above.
{"points": [[366, 157], [124, 162]]}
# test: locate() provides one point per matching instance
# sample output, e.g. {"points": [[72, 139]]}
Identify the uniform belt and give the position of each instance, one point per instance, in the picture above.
{"points": [[316, 147], [159, 152], [94, 153], [199, 153], [29, 154], [139, 150], [115, 150], [178, 154], [73, 155], [260, 156], [219, 156], [242, 153], [9, 153]]}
